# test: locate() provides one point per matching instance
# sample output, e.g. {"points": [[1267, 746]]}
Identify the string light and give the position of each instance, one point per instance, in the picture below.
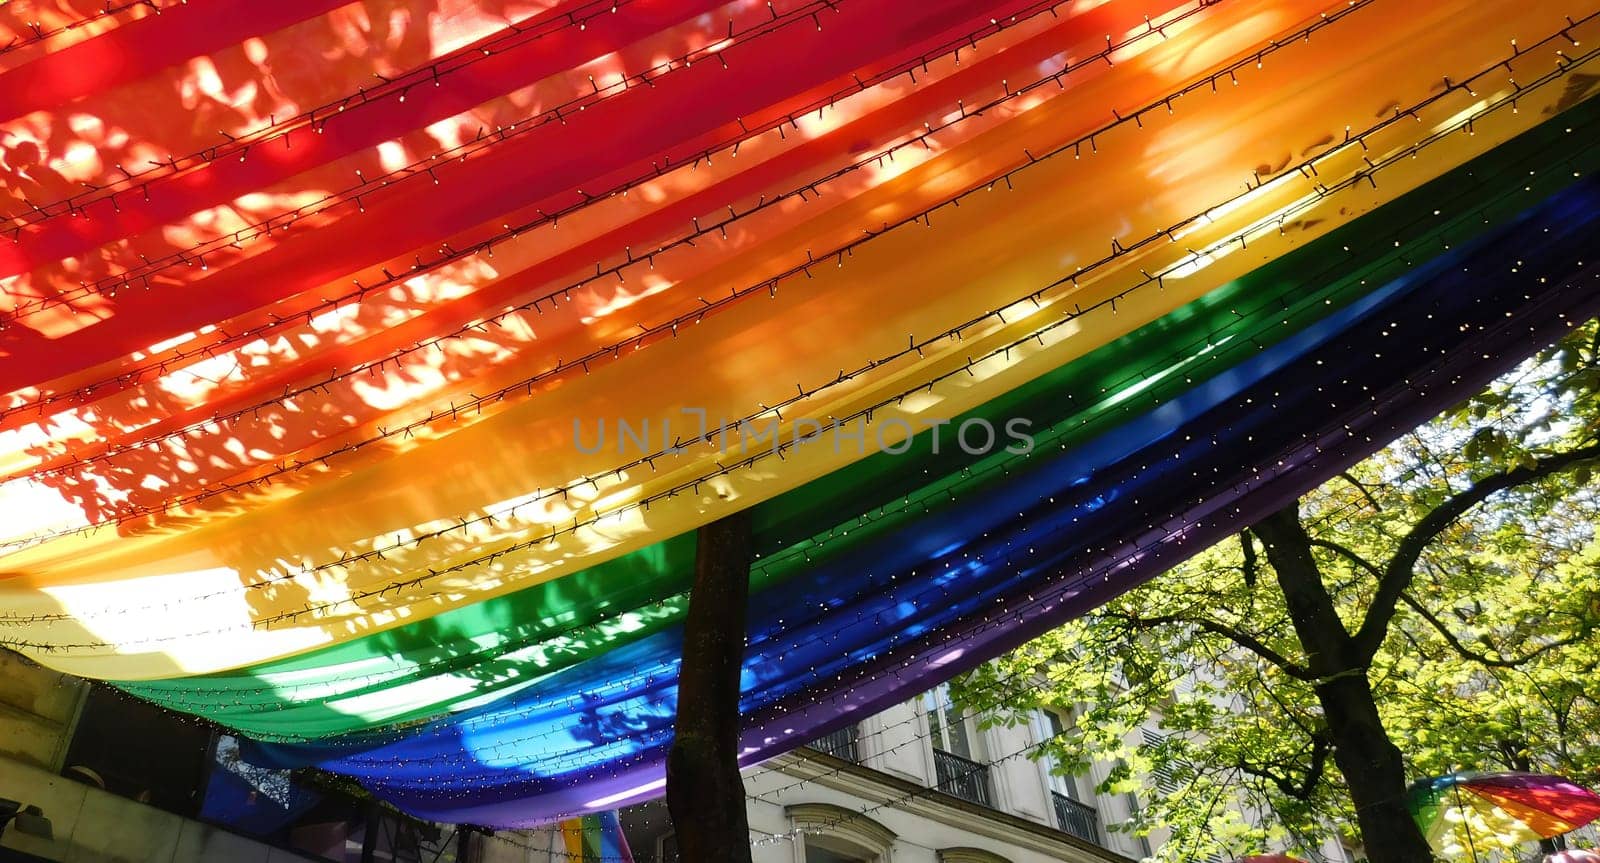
{"points": [[1465, 361], [404, 584], [1361, 414], [860, 522], [483, 143], [974, 477], [515, 35], [39, 33], [1018, 590], [1362, 399], [612, 350], [138, 373], [1458, 383], [1464, 356]]}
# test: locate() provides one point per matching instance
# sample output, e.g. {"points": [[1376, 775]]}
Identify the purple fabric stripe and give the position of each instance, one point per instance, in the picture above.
{"points": [[1524, 781]]}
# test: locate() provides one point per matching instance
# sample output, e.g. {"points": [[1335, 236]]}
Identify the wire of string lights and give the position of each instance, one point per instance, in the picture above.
{"points": [[315, 484], [802, 396], [847, 527]]}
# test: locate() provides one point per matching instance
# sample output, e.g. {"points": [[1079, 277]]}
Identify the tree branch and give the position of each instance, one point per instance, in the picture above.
{"points": [[1281, 707], [1302, 791], [1251, 568], [1398, 572], [1483, 658], [1348, 554], [1365, 492], [1239, 637]]}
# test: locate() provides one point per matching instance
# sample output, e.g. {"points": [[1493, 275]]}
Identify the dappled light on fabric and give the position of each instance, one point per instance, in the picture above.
{"points": [[369, 366]]}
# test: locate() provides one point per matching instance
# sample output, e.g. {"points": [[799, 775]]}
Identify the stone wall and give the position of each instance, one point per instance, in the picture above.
{"points": [[37, 709], [94, 826]]}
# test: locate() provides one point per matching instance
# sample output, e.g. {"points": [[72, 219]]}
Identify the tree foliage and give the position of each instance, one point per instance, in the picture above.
{"points": [[1488, 661]]}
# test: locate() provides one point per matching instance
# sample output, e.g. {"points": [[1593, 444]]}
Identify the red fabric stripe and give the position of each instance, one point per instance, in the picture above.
{"points": [[1558, 805], [1014, 63], [351, 131], [145, 46], [685, 112]]}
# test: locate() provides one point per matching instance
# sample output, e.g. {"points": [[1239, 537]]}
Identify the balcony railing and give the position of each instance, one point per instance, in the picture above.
{"points": [[1079, 819], [962, 777], [839, 744]]}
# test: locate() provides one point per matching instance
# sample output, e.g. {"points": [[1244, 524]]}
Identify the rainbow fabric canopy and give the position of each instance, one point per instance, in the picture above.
{"points": [[368, 367]]}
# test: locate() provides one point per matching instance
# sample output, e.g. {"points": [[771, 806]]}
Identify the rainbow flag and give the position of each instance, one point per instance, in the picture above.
{"points": [[595, 838]]}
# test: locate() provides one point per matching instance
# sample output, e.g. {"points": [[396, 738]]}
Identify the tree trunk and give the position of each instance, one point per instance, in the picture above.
{"points": [[1373, 771], [468, 844], [705, 794], [369, 836], [1370, 763]]}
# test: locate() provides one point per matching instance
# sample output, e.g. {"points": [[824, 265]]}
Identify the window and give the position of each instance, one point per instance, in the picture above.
{"points": [[834, 834], [817, 854], [134, 749], [839, 744], [1047, 725], [957, 763], [969, 855], [1132, 800], [1164, 778], [1075, 811], [947, 728], [667, 848]]}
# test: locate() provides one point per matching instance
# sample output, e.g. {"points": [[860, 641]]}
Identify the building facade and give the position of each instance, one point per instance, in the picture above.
{"points": [[921, 782], [115, 780]]}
